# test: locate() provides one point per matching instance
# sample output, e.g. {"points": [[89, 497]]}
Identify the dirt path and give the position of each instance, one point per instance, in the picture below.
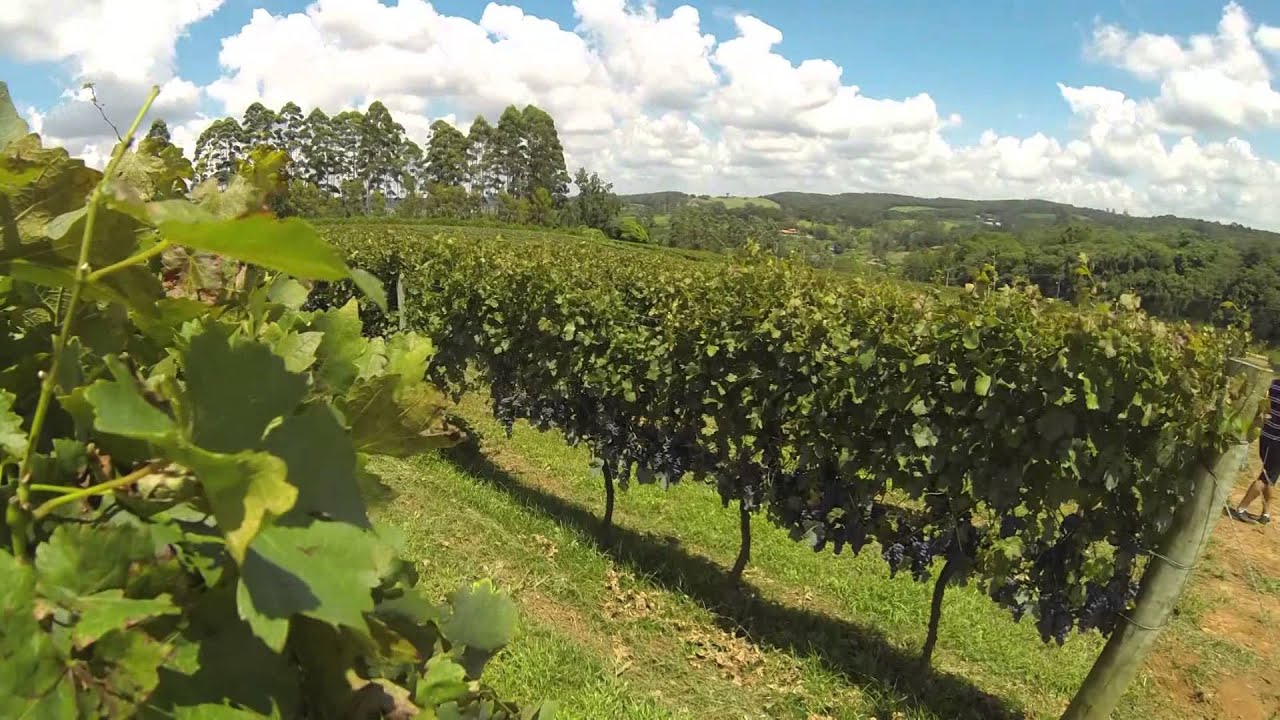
{"points": [[1224, 659]]}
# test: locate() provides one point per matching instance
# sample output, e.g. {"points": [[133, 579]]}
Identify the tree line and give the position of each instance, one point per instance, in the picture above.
{"points": [[1179, 274], [363, 164]]}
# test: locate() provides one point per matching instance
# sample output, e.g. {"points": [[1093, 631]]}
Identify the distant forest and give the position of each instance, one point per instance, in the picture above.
{"points": [[358, 164], [1181, 268]]}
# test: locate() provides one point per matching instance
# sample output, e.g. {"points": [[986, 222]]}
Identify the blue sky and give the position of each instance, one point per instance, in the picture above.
{"points": [[1013, 71], [995, 62]]}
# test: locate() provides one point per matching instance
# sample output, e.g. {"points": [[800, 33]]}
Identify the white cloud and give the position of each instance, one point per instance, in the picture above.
{"points": [[122, 46], [653, 101], [1216, 81], [1269, 38], [659, 61]]}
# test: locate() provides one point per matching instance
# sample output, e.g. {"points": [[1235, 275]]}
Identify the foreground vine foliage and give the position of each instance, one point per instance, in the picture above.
{"points": [[1036, 447], [182, 458]]}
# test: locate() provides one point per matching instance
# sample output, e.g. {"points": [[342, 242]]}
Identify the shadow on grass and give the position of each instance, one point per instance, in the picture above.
{"points": [[863, 655]]}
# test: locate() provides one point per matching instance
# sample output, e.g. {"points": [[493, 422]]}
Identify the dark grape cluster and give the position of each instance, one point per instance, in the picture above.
{"points": [[1052, 567]]}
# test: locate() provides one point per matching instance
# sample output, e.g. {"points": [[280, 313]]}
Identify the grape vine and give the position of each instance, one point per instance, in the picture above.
{"points": [[182, 449], [1038, 447]]}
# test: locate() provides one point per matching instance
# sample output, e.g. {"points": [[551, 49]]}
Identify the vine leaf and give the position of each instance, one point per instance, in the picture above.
{"points": [[321, 464], [388, 419], [288, 292], [312, 570], [103, 612], [236, 390], [37, 184], [119, 409], [480, 617], [290, 245], [371, 286], [342, 351], [408, 355], [444, 681], [243, 489], [134, 660], [84, 559], [297, 349], [12, 126], [13, 439], [33, 683]]}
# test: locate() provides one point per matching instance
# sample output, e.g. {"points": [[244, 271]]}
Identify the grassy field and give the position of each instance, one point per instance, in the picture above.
{"points": [[644, 626], [912, 209], [732, 202]]}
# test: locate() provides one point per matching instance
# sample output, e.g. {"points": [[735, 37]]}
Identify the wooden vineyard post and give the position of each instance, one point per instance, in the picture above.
{"points": [[400, 301], [1166, 577]]}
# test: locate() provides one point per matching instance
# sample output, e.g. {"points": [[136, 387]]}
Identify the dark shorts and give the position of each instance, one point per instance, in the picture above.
{"points": [[1269, 451]]}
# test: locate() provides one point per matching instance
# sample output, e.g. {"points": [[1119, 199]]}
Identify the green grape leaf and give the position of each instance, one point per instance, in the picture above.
{"points": [[444, 681], [291, 246], [119, 409], [102, 612], [287, 292], [386, 419], [239, 198], [176, 210], [480, 617], [408, 355], [12, 126], [217, 659], [58, 227], [34, 682], [37, 184], [169, 316], [322, 465], [923, 435], [13, 439], [236, 390], [244, 490], [84, 559], [371, 287], [115, 235], [297, 349], [139, 287], [342, 347], [982, 385], [134, 659], [322, 570]]}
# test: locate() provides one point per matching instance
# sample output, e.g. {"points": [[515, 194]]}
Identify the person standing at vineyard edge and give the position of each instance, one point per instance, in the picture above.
{"points": [[1269, 449]]}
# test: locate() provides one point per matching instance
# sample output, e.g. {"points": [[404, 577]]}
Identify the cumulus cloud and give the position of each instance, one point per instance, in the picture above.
{"points": [[653, 101], [1218, 81], [122, 46]]}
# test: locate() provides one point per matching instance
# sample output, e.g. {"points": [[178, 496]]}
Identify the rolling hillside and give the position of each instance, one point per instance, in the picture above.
{"points": [[869, 208]]}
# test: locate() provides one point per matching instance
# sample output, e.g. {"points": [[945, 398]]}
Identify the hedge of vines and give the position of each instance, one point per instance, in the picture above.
{"points": [[1039, 448], [182, 456]]}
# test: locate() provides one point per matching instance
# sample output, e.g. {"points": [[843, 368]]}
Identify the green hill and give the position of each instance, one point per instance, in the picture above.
{"points": [[865, 209]]}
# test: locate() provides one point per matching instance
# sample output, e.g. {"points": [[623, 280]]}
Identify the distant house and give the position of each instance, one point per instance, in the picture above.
{"points": [[988, 219]]}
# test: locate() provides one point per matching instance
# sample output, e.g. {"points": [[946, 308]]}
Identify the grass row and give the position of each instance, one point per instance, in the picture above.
{"points": [[645, 627]]}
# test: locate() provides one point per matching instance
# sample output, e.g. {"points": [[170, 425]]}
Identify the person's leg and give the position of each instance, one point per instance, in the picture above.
{"points": [[1255, 488], [1270, 473]]}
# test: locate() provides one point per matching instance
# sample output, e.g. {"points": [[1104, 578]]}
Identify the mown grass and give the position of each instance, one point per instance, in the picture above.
{"points": [[645, 625], [734, 202]]}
